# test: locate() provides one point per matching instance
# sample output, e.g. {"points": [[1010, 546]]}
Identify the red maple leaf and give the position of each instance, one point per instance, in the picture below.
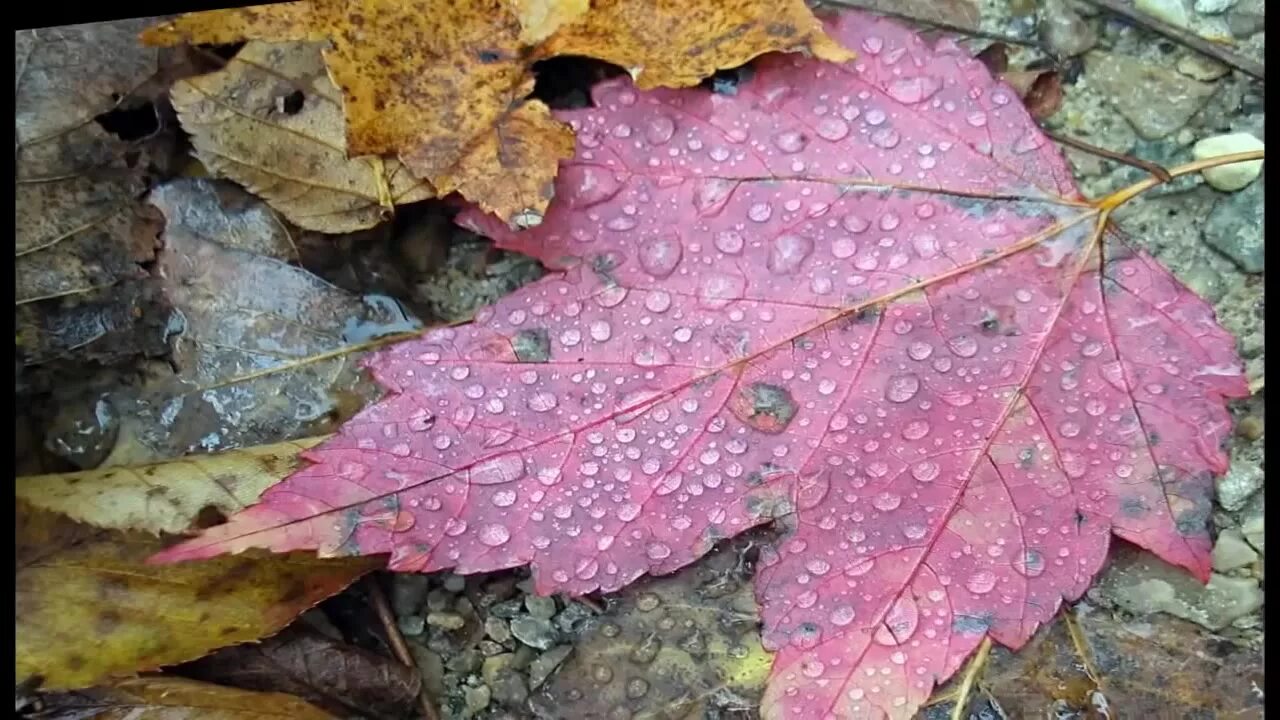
{"points": [[867, 300]]}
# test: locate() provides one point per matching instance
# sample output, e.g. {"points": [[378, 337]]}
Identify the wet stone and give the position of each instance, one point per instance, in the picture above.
{"points": [[466, 661], [497, 629], [572, 619], [430, 667], [540, 606], [1231, 551], [546, 663], [494, 665], [489, 648], [1063, 30], [1157, 101], [411, 624], [534, 632], [1239, 484], [507, 609], [476, 698], [439, 600], [509, 688], [1254, 531], [408, 590], [1229, 178], [446, 620], [455, 583]]}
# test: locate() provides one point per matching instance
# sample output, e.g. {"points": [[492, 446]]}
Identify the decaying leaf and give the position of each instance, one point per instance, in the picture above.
{"points": [[164, 497], [868, 300], [272, 121], [454, 109], [89, 607], [168, 698], [252, 366], [671, 647], [675, 43], [80, 229], [343, 679]]}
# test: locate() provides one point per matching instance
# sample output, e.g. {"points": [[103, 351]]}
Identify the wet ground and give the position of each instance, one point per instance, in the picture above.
{"points": [[1147, 638]]}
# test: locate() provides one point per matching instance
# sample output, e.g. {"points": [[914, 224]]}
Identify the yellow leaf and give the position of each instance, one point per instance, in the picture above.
{"points": [[443, 83], [272, 121], [677, 43], [171, 698], [164, 497], [88, 607], [540, 18]]}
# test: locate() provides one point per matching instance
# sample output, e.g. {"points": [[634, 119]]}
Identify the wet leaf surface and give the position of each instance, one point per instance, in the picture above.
{"points": [[865, 299], [675, 647], [88, 607], [164, 698], [247, 367], [343, 679], [80, 226], [272, 121], [455, 110]]}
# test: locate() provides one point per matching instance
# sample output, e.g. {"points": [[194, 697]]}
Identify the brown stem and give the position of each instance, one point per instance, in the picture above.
{"points": [[1123, 195], [396, 640], [1184, 37], [1130, 160]]}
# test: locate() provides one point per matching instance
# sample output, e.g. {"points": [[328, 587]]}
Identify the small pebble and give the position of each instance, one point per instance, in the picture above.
{"points": [[455, 583], [1235, 176], [446, 620], [476, 698], [1239, 484], [411, 624], [494, 665], [407, 592], [571, 619], [466, 661], [546, 663], [540, 606], [509, 688], [439, 600], [534, 632], [1250, 427], [489, 648], [1214, 7], [1231, 551], [497, 629], [1173, 12], [1255, 533], [507, 608]]}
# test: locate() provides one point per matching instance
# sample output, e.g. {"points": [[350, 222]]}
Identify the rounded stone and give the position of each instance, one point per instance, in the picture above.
{"points": [[1235, 176]]}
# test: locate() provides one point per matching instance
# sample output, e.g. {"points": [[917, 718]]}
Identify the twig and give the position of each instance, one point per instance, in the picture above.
{"points": [[971, 675], [1183, 36], [396, 640], [1130, 160], [872, 7]]}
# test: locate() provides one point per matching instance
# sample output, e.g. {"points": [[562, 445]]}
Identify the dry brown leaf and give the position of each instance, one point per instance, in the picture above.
{"points": [[88, 607], [677, 43], [272, 121], [442, 84], [169, 698], [343, 679], [79, 226], [164, 497]]}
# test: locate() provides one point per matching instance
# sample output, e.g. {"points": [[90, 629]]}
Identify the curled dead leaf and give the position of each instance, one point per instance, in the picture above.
{"points": [[272, 121]]}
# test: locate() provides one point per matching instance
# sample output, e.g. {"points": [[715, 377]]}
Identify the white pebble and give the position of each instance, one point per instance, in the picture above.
{"points": [[1173, 12], [1235, 176], [1213, 7]]}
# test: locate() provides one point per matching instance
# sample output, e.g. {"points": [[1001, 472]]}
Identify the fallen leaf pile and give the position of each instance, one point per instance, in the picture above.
{"points": [[865, 300], [454, 109]]}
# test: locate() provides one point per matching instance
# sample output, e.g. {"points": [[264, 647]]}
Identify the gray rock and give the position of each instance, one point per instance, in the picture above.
{"points": [[466, 661], [495, 665], [446, 620], [1213, 7], [509, 688], [497, 629], [489, 648], [430, 667], [1234, 228], [476, 698], [1151, 588], [438, 599], [571, 619], [1239, 484], [1254, 531], [1173, 12], [1063, 30], [455, 583], [540, 606], [534, 632], [1231, 551], [411, 624], [407, 592], [507, 608], [546, 663], [1157, 101]]}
